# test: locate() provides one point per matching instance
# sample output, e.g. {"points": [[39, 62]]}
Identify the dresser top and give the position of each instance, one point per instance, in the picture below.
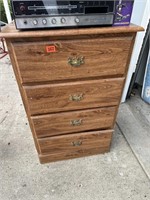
{"points": [[9, 31]]}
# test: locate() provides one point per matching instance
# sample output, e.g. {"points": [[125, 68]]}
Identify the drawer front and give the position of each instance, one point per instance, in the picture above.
{"points": [[71, 122], [76, 143], [72, 59], [73, 96]]}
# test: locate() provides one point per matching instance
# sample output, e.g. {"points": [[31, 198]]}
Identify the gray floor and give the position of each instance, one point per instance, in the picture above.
{"points": [[134, 122], [116, 175]]}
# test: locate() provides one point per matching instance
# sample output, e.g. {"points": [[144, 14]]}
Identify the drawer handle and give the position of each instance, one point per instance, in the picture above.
{"points": [[76, 61], [76, 122], [76, 97], [76, 143]]}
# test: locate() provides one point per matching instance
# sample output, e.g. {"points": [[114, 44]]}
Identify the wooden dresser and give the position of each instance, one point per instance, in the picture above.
{"points": [[71, 83]]}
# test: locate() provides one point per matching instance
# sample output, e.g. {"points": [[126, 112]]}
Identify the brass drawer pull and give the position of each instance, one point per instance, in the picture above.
{"points": [[76, 122], [76, 61], [76, 143], [76, 97]]}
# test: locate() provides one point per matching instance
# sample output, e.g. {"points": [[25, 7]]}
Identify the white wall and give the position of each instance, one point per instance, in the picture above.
{"points": [[5, 2], [138, 10], [140, 16]]}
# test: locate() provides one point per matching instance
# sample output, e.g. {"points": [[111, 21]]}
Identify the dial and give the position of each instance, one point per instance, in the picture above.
{"points": [[53, 21], [22, 8], [63, 20], [35, 22], [44, 21], [77, 20]]}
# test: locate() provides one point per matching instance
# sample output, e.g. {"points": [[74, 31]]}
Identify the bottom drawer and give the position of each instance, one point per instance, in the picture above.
{"points": [[74, 145]]}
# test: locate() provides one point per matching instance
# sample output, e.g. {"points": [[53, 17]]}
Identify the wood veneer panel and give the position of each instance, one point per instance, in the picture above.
{"points": [[101, 57], [76, 143], [10, 31], [71, 122], [22, 92], [73, 96]]}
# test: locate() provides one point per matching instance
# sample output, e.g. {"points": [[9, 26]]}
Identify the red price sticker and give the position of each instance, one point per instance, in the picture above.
{"points": [[50, 49]]}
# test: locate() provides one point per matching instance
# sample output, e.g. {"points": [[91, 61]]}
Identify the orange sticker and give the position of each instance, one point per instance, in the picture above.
{"points": [[50, 49]]}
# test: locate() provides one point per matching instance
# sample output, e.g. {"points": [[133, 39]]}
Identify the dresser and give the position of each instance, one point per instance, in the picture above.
{"points": [[71, 82]]}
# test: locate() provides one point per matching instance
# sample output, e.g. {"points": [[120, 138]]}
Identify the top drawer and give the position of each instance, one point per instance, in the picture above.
{"points": [[72, 59]]}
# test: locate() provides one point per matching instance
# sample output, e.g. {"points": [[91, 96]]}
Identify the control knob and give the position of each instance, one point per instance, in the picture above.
{"points": [[22, 8], [44, 21], [35, 22], [53, 21], [63, 20], [77, 20]]}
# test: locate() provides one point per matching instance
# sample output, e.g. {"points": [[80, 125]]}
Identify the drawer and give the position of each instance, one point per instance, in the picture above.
{"points": [[76, 145], [71, 122], [72, 59], [70, 96]]}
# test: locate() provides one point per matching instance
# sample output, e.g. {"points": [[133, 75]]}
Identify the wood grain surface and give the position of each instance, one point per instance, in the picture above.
{"points": [[21, 90], [10, 31], [47, 158], [71, 122], [76, 143], [71, 110], [58, 97], [102, 57]]}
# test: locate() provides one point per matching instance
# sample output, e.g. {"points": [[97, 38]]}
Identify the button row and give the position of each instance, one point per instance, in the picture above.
{"points": [[54, 21]]}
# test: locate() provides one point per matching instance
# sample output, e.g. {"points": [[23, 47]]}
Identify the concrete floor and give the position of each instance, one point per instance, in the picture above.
{"points": [[134, 122], [116, 175]]}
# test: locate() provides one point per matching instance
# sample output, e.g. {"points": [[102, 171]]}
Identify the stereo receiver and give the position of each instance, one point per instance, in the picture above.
{"points": [[62, 13]]}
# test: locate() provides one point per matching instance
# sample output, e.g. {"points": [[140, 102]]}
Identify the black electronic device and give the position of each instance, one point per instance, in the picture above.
{"points": [[62, 13]]}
